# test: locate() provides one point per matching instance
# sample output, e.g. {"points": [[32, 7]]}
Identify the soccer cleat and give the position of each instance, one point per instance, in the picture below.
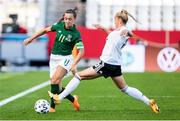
{"points": [[75, 103], [50, 94], [52, 110], [55, 97], [154, 106]]}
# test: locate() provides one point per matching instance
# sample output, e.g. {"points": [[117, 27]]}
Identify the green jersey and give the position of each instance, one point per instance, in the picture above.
{"points": [[65, 39]]}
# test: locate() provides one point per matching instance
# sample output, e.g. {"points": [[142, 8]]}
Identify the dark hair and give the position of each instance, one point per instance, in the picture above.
{"points": [[72, 11]]}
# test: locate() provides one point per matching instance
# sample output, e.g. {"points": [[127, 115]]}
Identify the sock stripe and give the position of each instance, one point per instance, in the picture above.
{"points": [[77, 76], [124, 89]]}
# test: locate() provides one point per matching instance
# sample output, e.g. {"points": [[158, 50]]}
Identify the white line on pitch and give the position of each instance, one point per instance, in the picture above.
{"points": [[21, 94]]}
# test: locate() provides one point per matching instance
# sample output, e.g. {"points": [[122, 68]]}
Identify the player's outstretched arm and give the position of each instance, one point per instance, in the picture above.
{"points": [[98, 26], [36, 35], [136, 37]]}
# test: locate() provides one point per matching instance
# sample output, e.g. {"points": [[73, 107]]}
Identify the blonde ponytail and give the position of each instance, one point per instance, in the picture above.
{"points": [[123, 14], [133, 17]]}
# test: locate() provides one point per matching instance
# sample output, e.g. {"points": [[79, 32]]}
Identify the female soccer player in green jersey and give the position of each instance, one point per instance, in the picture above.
{"points": [[61, 59]]}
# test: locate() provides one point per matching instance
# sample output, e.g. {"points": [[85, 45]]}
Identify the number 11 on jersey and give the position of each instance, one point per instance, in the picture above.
{"points": [[61, 38]]}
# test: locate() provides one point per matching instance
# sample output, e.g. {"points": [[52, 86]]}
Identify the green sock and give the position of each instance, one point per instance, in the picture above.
{"points": [[69, 97], [54, 90]]}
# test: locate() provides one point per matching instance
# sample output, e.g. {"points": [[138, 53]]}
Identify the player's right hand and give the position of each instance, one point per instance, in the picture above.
{"points": [[26, 41]]}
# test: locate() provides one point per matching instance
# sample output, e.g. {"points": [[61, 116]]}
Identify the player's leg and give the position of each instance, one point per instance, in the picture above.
{"points": [[55, 81], [58, 74], [58, 69], [86, 74], [135, 93], [131, 91]]}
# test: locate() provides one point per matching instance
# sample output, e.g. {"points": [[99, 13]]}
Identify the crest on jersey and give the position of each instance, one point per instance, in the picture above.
{"points": [[69, 38]]}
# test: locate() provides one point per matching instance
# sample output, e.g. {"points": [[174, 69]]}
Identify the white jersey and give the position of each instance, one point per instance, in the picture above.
{"points": [[111, 53]]}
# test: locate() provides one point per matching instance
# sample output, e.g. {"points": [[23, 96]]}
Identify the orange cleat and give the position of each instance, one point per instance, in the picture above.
{"points": [[154, 106], [75, 103], [52, 110]]}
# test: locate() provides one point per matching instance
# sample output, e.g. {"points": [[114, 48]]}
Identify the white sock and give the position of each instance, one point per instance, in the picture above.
{"points": [[135, 93], [71, 86]]}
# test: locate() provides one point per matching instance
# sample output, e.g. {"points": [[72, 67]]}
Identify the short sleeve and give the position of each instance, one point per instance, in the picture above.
{"points": [[79, 44], [54, 27]]}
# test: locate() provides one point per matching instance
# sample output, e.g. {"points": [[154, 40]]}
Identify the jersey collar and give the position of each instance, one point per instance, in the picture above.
{"points": [[73, 28]]}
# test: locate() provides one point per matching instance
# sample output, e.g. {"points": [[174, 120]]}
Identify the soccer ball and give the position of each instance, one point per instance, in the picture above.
{"points": [[42, 106]]}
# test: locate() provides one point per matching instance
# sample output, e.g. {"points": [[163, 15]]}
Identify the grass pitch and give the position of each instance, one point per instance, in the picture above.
{"points": [[99, 98]]}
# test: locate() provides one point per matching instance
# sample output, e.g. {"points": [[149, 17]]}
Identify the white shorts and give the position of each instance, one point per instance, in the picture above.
{"points": [[64, 61]]}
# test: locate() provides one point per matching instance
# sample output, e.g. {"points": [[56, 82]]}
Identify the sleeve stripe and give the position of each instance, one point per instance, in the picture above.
{"points": [[79, 45]]}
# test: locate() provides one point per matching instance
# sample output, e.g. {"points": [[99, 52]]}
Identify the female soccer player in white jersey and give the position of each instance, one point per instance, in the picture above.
{"points": [[61, 59], [110, 64]]}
